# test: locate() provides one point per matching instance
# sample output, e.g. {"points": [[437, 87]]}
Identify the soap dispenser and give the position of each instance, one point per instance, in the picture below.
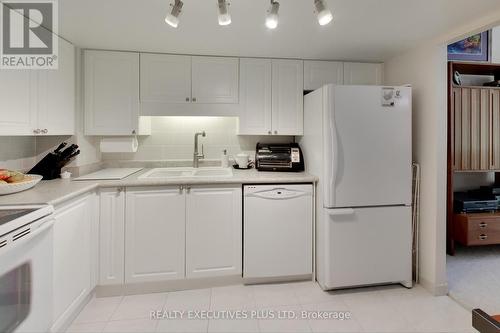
{"points": [[224, 159]]}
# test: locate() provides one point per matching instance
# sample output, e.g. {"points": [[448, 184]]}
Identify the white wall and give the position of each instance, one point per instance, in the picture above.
{"points": [[172, 138], [425, 69]]}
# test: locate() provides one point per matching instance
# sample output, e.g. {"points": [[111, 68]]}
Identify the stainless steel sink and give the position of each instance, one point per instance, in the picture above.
{"points": [[159, 173]]}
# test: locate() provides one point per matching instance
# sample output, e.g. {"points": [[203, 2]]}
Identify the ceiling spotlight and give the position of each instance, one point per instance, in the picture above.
{"points": [[272, 15], [173, 15], [224, 16], [324, 14]]}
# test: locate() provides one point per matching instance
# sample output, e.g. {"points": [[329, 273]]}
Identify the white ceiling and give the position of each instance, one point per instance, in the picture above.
{"points": [[369, 30]]}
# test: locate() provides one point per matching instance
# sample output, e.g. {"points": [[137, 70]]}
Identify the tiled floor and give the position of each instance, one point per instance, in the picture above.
{"points": [[381, 309]]}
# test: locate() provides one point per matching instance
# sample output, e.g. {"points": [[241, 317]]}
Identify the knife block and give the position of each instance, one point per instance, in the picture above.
{"points": [[49, 167]]}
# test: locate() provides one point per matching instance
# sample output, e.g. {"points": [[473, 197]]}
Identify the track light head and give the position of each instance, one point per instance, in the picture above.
{"points": [[224, 16], [272, 15], [173, 15], [324, 14]]}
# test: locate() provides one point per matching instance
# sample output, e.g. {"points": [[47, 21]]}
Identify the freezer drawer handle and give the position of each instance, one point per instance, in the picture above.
{"points": [[336, 212]]}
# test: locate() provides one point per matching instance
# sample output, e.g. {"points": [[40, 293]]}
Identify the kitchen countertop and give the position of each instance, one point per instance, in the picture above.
{"points": [[57, 191]]}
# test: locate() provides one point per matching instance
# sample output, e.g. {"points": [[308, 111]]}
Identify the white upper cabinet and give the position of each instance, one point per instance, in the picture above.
{"points": [[154, 234], [319, 73], [174, 85], [363, 73], [111, 93], [165, 78], [39, 102], [255, 96], [271, 97], [288, 97], [215, 80], [18, 98], [56, 115], [213, 231]]}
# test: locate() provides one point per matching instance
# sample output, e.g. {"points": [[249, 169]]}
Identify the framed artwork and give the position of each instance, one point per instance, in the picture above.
{"points": [[473, 48]]}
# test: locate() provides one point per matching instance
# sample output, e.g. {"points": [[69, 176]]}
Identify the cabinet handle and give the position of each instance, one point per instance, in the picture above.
{"points": [[119, 190], [483, 225], [181, 188], [188, 189], [134, 132], [36, 131], [194, 99], [483, 237], [187, 99], [45, 131], [270, 132], [275, 132]]}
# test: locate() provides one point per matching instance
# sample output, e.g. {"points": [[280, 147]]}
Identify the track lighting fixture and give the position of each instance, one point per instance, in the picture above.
{"points": [[324, 14], [224, 16], [173, 15], [272, 15]]}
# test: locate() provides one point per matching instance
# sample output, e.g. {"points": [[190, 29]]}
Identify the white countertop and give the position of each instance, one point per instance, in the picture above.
{"points": [[58, 191]]}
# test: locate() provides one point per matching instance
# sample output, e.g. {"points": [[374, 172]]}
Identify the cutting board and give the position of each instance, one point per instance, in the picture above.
{"points": [[110, 174]]}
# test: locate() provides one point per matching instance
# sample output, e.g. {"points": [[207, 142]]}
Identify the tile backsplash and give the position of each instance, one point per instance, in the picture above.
{"points": [[17, 153], [172, 138]]}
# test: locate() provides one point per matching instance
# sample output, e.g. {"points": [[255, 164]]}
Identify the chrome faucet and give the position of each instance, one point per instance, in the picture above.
{"points": [[197, 156]]}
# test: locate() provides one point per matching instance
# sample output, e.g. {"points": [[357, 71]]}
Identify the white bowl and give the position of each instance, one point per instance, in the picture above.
{"points": [[22, 186]]}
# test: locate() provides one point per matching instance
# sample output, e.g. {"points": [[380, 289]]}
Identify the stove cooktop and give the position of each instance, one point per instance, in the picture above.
{"points": [[9, 215]]}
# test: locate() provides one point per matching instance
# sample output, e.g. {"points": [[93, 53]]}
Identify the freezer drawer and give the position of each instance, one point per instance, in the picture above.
{"points": [[365, 246], [278, 222]]}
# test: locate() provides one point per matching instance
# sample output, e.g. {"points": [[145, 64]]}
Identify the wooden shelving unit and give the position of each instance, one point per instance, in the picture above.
{"points": [[473, 137]]}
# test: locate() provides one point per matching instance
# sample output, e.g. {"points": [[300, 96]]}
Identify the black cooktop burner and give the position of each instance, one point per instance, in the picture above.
{"points": [[8, 215]]}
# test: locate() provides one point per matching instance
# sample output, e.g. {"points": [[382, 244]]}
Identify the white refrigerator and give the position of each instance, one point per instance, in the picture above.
{"points": [[357, 139]]}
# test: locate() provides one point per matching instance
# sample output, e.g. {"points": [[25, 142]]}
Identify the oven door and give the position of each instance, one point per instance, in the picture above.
{"points": [[26, 281]]}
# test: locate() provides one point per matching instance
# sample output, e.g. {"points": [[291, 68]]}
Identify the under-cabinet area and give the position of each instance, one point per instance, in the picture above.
{"points": [[133, 237]]}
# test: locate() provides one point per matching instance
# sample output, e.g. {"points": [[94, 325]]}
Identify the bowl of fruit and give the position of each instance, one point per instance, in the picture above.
{"points": [[14, 181]]}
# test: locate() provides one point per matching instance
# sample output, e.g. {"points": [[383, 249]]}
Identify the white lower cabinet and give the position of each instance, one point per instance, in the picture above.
{"points": [[73, 258], [111, 236], [213, 231], [154, 234]]}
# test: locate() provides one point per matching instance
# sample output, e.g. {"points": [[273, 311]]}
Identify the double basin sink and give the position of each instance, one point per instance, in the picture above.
{"points": [[187, 173]]}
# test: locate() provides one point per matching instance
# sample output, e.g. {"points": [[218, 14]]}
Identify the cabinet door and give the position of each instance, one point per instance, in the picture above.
{"points": [[479, 129], [213, 231], [72, 258], [18, 102], [56, 114], [319, 73], [495, 129], [288, 97], [466, 129], [215, 80], [457, 129], [112, 237], [255, 97], [165, 78], [154, 234], [362, 73], [111, 93]]}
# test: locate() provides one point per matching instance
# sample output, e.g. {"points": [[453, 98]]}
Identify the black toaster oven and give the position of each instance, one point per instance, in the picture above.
{"points": [[279, 157]]}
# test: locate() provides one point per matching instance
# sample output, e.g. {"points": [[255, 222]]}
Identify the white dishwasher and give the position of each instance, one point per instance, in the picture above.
{"points": [[278, 225]]}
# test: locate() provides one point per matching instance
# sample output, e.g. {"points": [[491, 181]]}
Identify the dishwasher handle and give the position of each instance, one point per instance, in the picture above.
{"points": [[279, 194]]}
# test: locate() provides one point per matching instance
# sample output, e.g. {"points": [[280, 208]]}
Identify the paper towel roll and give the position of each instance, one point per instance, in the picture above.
{"points": [[119, 145]]}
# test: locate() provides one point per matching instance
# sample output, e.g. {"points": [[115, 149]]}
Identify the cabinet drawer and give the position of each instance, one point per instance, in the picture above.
{"points": [[477, 229], [483, 237]]}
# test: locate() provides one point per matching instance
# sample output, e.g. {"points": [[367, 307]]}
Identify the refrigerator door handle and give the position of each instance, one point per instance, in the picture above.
{"points": [[343, 211], [331, 160]]}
